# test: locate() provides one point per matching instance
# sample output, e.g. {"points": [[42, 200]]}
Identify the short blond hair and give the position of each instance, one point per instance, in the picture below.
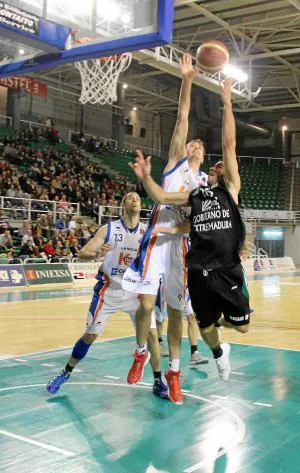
{"points": [[197, 141]]}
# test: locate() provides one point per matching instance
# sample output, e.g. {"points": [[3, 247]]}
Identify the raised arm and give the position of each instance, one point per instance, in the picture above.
{"points": [[231, 170], [142, 169], [177, 147], [96, 247]]}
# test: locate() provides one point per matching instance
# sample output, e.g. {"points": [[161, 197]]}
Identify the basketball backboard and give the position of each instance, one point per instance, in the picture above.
{"points": [[42, 34]]}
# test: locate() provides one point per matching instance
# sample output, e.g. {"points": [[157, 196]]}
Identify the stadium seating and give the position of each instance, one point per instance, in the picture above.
{"points": [[262, 179]]}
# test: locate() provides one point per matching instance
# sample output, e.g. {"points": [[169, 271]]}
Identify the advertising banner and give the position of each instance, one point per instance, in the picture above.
{"points": [[12, 275], [25, 83], [14, 17], [84, 271], [48, 273]]}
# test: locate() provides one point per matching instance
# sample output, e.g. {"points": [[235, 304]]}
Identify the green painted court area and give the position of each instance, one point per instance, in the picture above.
{"points": [[99, 424]]}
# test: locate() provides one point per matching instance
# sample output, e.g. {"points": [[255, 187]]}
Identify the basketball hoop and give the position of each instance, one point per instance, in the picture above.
{"points": [[99, 78]]}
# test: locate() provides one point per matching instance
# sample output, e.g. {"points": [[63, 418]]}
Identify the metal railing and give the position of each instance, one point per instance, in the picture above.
{"points": [[30, 209], [29, 125], [217, 157], [108, 213], [104, 140], [7, 120], [150, 151], [274, 216]]}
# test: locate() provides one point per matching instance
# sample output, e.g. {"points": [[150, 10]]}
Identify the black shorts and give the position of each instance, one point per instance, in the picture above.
{"points": [[217, 292]]}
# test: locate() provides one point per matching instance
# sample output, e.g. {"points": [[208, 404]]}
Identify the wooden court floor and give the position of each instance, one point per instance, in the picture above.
{"points": [[98, 424]]}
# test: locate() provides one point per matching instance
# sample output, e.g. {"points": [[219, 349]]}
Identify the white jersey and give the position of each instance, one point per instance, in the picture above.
{"points": [[125, 244], [179, 179]]}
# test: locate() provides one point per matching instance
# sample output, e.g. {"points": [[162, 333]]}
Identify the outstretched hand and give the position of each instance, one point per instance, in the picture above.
{"points": [[142, 166], [226, 92], [186, 66]]}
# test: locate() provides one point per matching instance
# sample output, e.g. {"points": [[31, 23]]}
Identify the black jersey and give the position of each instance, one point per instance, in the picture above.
{"points": [[217, 230]]}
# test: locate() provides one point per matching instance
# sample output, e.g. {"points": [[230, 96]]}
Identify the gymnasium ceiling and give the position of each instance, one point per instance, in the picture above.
{"points": [[263, 37]]}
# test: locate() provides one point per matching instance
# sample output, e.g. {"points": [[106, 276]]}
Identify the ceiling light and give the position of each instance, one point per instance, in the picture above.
{"points": [[134, 109], [125, 86], [126, 17], [21, 51], [284, 127], [235, 73], [109, 10]]}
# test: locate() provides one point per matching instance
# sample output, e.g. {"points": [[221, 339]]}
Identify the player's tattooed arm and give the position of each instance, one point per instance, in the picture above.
{"points": [[178, 143], [231, 170], [142, 169], [96, 248], [180, 229]]}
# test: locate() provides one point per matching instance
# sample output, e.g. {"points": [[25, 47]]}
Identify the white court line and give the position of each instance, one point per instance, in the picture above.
{"points": [[262, 404], [241, 429], [145, 384], [219, 397], [71, 346], [19, 359], [51, 365], [112, 377], [43, 445], [237, 372], [263, 346]]}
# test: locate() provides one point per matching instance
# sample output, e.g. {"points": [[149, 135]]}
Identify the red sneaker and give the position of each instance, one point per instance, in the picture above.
{"points": [[175, 394], [137, 370]]}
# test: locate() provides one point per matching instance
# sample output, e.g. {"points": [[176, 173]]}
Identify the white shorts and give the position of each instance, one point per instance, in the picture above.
{"points": [[107, 301], [160, 258], [161, 311]]}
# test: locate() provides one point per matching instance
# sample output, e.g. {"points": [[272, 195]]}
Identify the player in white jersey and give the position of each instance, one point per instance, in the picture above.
{"points": [[163, 256], [121, 239]]}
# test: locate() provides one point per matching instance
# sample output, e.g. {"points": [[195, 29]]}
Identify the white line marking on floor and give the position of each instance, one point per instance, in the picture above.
{"points": [[112, 377], [20, 360], [71, 346], [219, 397], [6, 357], [45, 446], [51, 365], [237, 372], [262, 404], [145, 384], [78, 371], [185, 391]]}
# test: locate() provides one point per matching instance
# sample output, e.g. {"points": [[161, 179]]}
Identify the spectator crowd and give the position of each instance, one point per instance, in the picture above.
{"points": [[44, 238]]}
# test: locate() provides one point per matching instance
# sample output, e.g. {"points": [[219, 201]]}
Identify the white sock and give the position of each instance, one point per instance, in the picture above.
{"points": [[174, 365], [141, 348]]}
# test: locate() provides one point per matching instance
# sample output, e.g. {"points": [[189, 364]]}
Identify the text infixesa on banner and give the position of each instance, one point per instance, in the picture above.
{"points": [[16, 275]]}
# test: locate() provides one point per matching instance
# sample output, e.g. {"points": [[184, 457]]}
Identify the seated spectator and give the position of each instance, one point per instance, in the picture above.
{"points": [[27, 237], [27, 250], [61, 223], [72, 223], [49, 248], [42, 224], [4, 223], [56, 256], [6, 242]]}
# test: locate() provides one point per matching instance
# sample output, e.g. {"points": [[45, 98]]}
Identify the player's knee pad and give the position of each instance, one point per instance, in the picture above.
{"points": [[80, 349]]}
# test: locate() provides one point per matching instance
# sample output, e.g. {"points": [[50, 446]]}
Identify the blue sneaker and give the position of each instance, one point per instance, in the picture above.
{"points": [[160, 388], [54, 385]]}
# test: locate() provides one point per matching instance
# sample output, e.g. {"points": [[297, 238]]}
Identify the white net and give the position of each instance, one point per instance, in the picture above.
{"points": [[99, 78]]}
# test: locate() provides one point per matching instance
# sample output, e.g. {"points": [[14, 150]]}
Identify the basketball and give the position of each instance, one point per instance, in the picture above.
{"points": [[212, 56]]}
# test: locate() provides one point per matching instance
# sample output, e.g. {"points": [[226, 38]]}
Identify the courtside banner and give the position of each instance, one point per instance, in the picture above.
{"points": [[84, 271], [47, 273], [12, 275]]}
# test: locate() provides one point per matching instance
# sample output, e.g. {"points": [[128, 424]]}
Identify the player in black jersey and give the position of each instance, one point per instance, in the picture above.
{"points": [[215, 275]]}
